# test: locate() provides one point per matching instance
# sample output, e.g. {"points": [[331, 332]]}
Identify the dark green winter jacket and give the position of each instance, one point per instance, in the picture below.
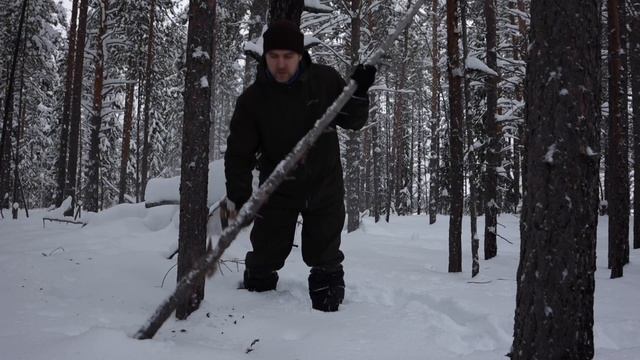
{"points": [[269, 120]]}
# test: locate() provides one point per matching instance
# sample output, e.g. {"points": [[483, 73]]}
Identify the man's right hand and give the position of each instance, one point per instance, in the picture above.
{"points": [[228, 213]]}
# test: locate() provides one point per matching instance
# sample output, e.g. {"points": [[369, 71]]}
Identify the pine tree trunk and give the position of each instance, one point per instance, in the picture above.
{"points": [[493, 137], [618, 150], [93, 175], [399, 135], [517, 140], [634, 60], [377, 163], [455, 72], [76, 104], [138, 141], [435, 116], [148, 88], [258, 18], [624, 108], [471, 154], [126, 143], [555, 279], [286, 10], [7, 123], [66, 108], [15, 206], [523, 49], [353, 155], [195, 150]]}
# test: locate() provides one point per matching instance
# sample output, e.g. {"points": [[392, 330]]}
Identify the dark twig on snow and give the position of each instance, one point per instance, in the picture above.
{"points": [[504, 238], [64, 221]]}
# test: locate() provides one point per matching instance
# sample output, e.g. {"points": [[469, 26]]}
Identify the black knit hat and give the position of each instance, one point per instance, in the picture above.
{"points": [[283, 35]]}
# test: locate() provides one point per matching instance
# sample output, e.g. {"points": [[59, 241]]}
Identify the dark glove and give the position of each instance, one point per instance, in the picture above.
{"points": [[364, 76]]}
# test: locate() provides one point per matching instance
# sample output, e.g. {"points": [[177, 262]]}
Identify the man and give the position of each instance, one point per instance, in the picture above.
{"points": [[271, 116]]}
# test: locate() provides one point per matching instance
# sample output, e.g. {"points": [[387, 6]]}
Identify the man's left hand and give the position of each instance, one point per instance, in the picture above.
{"points": [[364, 76]]}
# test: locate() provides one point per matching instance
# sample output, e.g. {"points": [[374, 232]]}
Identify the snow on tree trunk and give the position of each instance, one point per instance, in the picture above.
{"points": [[555, 278], [618, 198], [455, 73], [195, 151]]}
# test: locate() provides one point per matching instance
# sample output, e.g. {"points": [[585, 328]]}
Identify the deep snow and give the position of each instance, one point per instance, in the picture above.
{"points": [[74, 293]]}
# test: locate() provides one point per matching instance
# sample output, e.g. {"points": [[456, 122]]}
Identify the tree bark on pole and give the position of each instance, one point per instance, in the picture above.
{"points": [[7, 124], [555, 278], [455, 73], [195, 151], [76, 106], [66, 108]]}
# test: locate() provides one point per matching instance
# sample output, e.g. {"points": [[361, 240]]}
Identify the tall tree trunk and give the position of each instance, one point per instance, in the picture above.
{"points": [[126, 142], [93, 176], [555, 279], [286, 10], [434, 189], [148, 88], [455, 72], [353, 142], [634, 60], [66, 108], [618, 166], [195, 150], [524, 31], [138, 141], [257, 20], [18, 135], [7, 123], [76, 104], [399, 134], [377, 178], [471, 154], [493, 137], [624, 108]]}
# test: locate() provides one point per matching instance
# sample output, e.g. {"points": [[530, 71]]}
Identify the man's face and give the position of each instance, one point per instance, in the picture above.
{"points": [[283, 64]]}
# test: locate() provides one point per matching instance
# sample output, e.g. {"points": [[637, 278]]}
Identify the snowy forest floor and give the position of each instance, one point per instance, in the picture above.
{"points": [[74, 293]]}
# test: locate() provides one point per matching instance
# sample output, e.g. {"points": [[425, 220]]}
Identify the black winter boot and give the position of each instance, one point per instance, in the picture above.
{"points": [[260, 281], [326, 287]]}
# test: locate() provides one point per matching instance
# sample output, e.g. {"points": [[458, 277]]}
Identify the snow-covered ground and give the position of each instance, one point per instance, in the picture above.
{"points": [[74, 293]]}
